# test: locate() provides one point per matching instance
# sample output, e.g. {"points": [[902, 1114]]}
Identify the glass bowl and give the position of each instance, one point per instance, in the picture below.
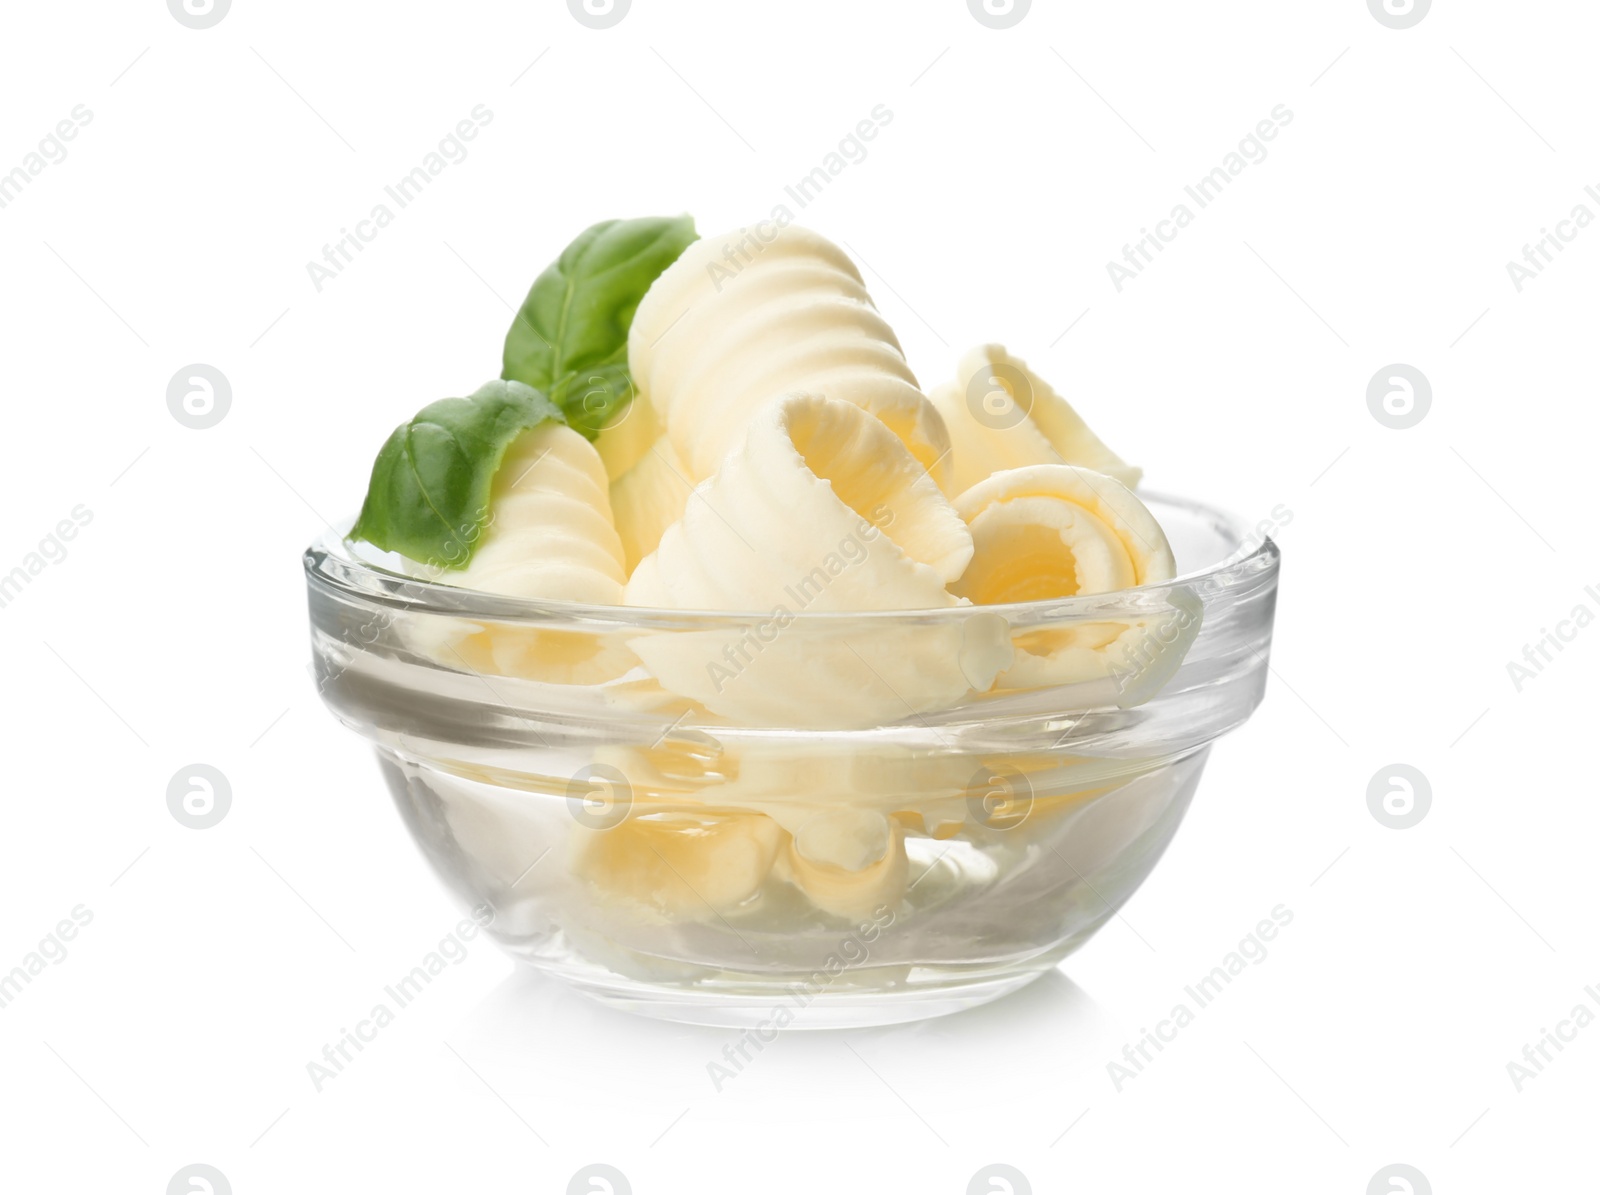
{"points": [[792, 819]]}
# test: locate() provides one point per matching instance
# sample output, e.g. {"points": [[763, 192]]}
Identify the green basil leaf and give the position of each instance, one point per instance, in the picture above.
{"points": [[429, 494], [570, 338]]}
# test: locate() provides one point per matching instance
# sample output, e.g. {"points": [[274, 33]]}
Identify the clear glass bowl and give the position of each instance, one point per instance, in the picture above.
{"points": [[788, 818]]}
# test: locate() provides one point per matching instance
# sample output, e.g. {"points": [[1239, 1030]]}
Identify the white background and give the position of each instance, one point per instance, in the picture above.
{"points": [[1417, 563]]}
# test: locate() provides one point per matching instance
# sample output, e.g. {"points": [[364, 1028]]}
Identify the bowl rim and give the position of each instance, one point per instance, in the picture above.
{"points": [[331, 563]]}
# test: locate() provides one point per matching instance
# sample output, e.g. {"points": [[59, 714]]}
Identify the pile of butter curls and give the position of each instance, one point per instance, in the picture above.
{"points": [[777, 459]]}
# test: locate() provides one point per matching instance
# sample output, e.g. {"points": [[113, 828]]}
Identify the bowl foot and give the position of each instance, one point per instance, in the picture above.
{"points": [[767, 1008]]}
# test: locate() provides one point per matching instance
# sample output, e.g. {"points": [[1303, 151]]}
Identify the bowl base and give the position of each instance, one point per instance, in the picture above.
{"points": [[771, 1008]]}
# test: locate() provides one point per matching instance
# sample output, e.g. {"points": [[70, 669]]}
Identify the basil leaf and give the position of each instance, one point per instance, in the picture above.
{"points": [[570, 338], [429, 494]]}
